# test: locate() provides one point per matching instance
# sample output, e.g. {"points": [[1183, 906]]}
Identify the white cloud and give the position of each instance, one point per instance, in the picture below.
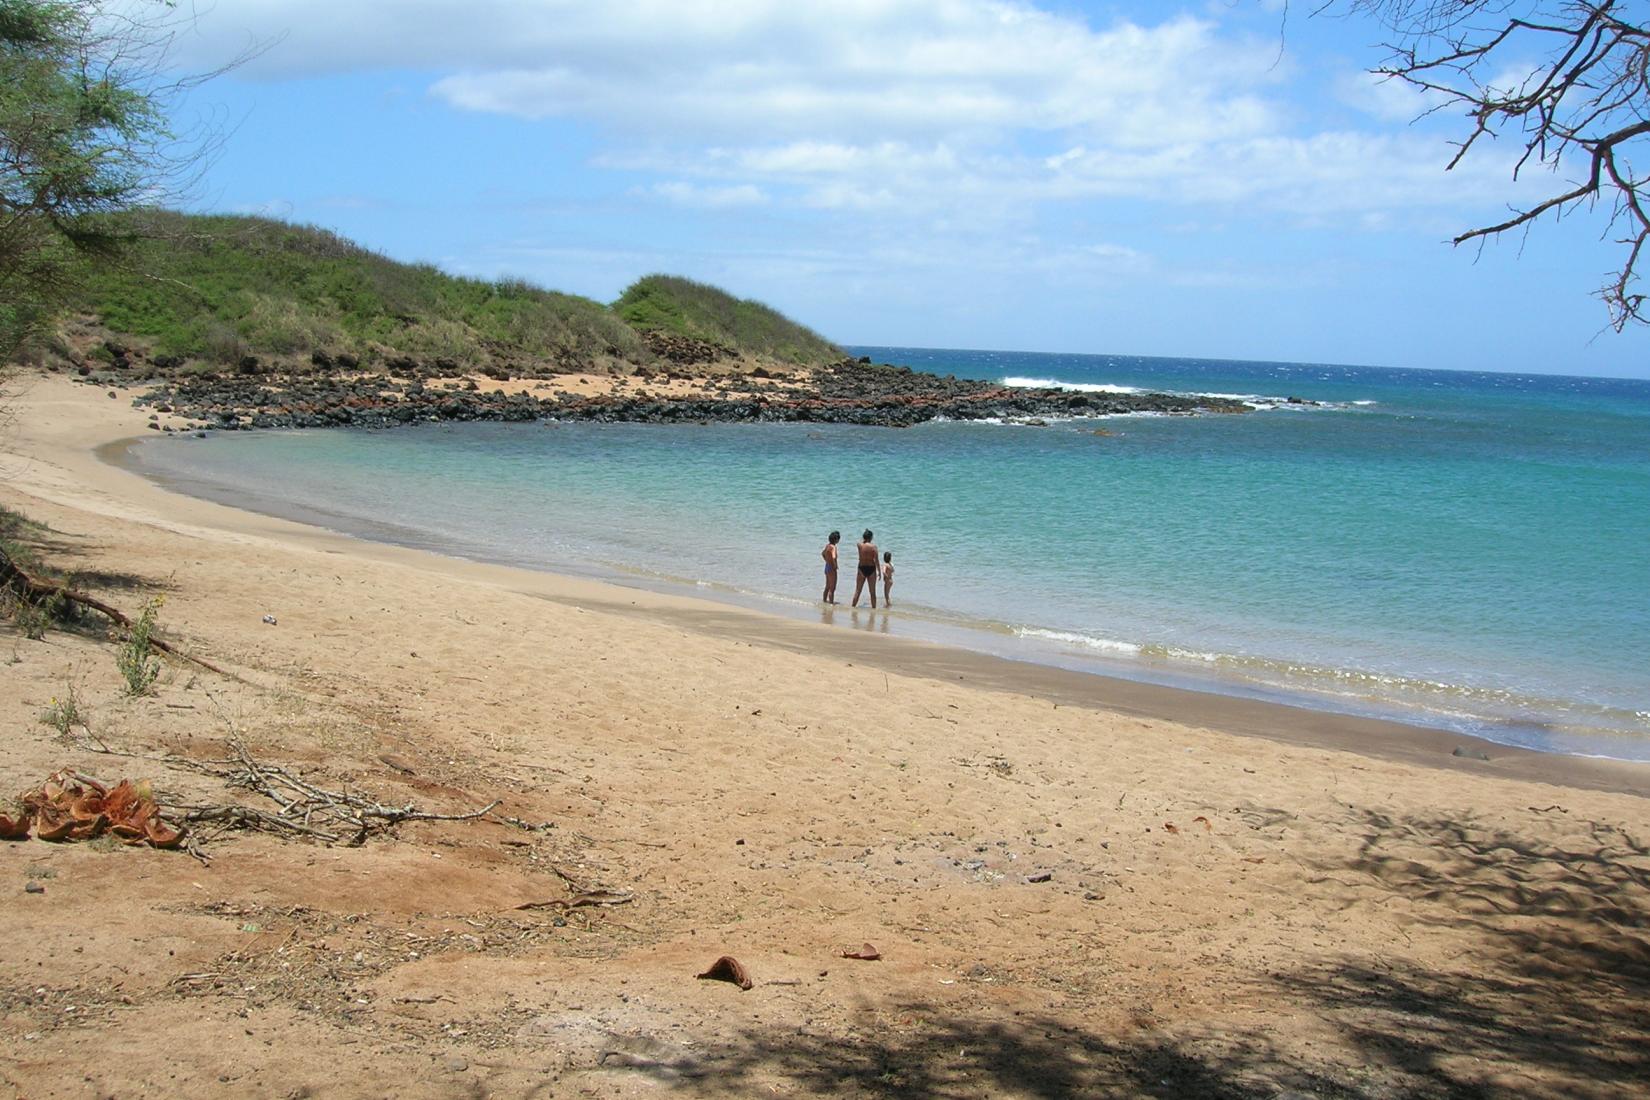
{"points": [[1385, 98], [1060, 160], [808, 159], [773, 69], [269, 208], [851, 196], [913, 70], [708, 198], [1115, 253], [1330, 174], [891, 105]]}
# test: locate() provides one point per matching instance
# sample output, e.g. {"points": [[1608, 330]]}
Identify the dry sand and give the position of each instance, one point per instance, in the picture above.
{"points": [[1077, 887]]}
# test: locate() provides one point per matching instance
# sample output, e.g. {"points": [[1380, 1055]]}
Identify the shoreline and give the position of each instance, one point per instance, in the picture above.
{"points": [[992, 639], [1284, 723]]}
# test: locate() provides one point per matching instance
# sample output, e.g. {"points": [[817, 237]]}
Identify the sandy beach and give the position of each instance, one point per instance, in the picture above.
{"points": [[1076, 886]]}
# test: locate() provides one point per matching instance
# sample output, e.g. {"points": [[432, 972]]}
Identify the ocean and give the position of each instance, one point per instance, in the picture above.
{"points": [[1462, 550]]}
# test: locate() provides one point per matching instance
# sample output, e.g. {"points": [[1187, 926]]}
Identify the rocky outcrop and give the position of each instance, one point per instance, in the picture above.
{"points": [[686, 351], [850, 392]]}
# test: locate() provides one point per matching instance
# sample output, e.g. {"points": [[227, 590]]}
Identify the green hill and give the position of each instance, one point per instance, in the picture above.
{"points": [[671, 303], [215, 289]]}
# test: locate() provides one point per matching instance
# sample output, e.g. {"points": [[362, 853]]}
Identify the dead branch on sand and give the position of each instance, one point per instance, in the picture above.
{"points": [[39, 591], [307, 811]]}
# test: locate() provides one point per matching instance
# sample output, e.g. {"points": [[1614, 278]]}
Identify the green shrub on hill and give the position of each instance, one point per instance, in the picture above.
{"points": [[218, 287], [675, 304]]}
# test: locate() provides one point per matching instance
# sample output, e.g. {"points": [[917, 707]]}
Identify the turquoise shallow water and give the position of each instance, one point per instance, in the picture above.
{"points": [[1462, 550]]}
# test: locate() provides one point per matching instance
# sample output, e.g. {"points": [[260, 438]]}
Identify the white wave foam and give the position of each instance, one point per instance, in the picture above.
{"points": [[1083, 641], [1253, 400], [1176, 653], [1074, 387]]}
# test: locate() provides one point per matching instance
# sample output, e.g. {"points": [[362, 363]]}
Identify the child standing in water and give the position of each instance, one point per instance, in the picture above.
{"points": [[887, 577], [829, 554]]}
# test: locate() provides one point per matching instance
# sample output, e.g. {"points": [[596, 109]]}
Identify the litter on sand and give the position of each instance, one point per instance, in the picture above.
{"points": [[71, 806]]}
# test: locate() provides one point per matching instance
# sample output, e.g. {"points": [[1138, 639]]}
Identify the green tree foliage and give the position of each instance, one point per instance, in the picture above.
{"points": [[83, 133]]}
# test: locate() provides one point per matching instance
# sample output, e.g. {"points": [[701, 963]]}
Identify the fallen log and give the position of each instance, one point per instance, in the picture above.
{"points": [[38, 591]]}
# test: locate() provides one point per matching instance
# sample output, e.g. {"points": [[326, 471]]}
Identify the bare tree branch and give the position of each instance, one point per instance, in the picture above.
{"points": [[1582, 107]]}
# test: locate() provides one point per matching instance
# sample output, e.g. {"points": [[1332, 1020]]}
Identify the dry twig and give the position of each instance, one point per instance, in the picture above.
{"points": [[307, 811]]}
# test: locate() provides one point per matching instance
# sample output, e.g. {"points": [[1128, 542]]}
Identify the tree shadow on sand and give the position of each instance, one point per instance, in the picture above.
{"points": [[1554, 996], [41, 546], [46, 554], [1033, 1056], [1551, 999]]}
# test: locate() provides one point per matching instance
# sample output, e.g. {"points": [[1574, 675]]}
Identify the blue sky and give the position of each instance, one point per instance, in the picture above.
{"points": [[1218, 179]]}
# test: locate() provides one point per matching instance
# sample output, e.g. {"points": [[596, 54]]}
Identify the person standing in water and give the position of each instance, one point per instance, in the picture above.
{"points": [[829, 554], [887, 578], [869, 567]]}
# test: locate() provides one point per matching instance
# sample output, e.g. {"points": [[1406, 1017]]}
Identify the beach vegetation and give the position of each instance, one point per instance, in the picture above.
{"points": [[16, 530], [88, 163], [34, 608], [683, 306], [83, 135], [221, 287], [31, 617], [64, 712], [138, 665], [35, 618], [211, 290]]}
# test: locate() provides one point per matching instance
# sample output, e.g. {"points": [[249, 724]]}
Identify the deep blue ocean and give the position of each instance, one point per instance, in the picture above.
{"points": [[1462, 550]]}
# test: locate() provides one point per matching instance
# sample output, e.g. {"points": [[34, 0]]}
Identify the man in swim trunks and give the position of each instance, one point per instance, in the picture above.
{"points": [[829, 554], [869, 567]]}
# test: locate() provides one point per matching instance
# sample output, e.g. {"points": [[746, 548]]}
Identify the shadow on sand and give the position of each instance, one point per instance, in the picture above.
{"points": [[1552, 998]]}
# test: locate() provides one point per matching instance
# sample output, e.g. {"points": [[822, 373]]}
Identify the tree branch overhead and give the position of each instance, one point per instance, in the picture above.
{"points": [[1582, 105]]}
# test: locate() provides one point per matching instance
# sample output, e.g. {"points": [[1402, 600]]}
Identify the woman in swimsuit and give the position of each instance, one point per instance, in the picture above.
{"points": [[829, 554], [868, 569]]}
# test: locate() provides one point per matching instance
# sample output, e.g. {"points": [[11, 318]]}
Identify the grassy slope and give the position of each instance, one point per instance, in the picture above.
{"points": [[215, 288], [680, 305]]}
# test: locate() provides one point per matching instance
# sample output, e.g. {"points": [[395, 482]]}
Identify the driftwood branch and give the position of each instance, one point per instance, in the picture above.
{"points": [[305, 810], [38, 591]]}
